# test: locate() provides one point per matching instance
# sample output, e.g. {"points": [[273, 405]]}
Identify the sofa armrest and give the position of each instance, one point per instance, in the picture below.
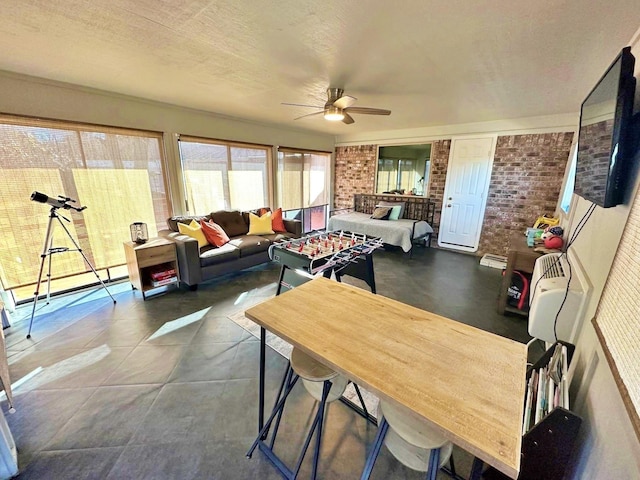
{"points": [[188, 254], [293, 226]]}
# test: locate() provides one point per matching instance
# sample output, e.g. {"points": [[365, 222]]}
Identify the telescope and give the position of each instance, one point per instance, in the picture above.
{"points": [[60, 202]]}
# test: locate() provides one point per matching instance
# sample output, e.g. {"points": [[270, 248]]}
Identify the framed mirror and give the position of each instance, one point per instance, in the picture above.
{"points": [[404, 169]]}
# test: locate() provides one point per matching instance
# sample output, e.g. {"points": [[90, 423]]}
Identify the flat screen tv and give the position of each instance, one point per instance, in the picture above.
{"points": [[604, 152]]}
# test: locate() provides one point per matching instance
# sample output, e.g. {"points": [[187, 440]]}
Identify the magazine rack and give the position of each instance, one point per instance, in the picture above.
{"points": [[547, 446]]}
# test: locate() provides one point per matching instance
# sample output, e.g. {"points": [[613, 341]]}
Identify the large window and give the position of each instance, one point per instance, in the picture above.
{"points": [[117, 174], [303, 180], [404, 168], [223, 176]]}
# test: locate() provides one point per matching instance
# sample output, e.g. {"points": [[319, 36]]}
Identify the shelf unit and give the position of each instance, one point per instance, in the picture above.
{"points": [[142, 259], [547, 446]]}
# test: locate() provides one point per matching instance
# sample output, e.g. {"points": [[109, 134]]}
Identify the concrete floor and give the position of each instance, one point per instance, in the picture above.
{"points": [[167, 388]]}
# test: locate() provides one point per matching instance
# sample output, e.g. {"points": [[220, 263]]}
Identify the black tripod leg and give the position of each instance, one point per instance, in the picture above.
{"points": [[36, 293], [45, 251]]}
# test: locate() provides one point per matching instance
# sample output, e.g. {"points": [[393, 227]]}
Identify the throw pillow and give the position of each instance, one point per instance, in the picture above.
{"points": [[381, 213], [393, 204], [214, 233], [194, 231], [260, 225], [277, 223], [395, 212]]}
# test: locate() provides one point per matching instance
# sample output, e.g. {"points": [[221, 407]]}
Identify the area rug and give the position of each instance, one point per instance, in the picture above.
{"points": [[284, 348]]}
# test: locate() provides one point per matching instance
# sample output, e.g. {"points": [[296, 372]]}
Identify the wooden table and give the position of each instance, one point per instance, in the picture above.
{"points": [[521, 257], [467, 383]]}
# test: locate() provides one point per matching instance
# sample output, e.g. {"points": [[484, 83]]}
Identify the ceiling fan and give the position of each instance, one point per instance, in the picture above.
{"points": [[339, 107]]}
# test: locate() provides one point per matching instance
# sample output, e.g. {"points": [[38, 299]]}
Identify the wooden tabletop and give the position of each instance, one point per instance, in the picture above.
{"points": [[468, 383]]}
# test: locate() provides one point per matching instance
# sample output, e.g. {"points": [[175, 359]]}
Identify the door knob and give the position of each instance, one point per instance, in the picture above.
{"points": [[448, 205]]}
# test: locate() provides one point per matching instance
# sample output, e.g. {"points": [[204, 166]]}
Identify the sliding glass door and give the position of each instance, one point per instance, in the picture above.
{"points": [[303, 185]]}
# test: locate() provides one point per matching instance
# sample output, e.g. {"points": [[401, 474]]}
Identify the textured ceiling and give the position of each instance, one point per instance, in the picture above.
{"points": [[430, 62]]}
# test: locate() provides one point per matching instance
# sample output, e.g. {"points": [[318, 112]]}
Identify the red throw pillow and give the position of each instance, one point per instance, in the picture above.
{"points": [[276, 221], [214, 233]]}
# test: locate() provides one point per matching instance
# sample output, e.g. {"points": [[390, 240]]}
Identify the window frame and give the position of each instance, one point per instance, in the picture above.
{"points": [[229, 145]]}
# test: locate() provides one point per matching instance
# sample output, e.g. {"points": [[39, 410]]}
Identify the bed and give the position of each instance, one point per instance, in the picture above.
{"points": [[416, 224]]}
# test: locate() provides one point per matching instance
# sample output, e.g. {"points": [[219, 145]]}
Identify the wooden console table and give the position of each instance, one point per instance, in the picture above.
{"points": [[467, 383], [521, 257]]}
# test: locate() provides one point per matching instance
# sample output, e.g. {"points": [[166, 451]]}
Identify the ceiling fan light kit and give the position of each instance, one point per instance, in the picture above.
{"points": [[333, 114], [338, 107]]}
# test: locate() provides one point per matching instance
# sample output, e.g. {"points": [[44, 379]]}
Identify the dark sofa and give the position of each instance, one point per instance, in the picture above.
{"points": [[197, 265]]}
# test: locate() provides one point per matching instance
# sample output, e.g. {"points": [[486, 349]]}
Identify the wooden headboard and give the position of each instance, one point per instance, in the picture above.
{"points": [[417, 208]]}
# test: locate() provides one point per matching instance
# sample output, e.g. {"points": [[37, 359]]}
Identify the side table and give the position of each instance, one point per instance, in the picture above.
{"points": [[521, 257], [143, 259]]}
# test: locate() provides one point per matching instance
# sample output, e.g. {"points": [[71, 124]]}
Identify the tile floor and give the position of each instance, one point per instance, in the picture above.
{"points": [[167, 388]]}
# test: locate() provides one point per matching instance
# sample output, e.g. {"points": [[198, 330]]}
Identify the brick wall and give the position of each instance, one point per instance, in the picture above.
{"points": [[355, 172], [437, 177], [525, 183]]}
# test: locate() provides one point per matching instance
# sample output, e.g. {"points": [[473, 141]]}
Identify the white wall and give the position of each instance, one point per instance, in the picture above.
{"points": [[36, 97], [608, 446]]}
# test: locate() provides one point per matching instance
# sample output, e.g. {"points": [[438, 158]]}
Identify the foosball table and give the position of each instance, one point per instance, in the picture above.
{"points": [[338, 252]]}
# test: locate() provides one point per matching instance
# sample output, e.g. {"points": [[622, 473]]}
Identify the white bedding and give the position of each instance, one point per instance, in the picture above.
{"points": [[393, 232]]}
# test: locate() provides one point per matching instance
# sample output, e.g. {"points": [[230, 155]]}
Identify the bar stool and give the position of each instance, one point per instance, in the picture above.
{"points": [[323, 384], [414, 443]]}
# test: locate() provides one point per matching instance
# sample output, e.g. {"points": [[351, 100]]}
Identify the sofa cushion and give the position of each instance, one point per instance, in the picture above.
{"points": [[172, 222], [278, 237], [212, 256], [231, 222], [214, 233], [250, 244], [194, 231], [260, 225]]}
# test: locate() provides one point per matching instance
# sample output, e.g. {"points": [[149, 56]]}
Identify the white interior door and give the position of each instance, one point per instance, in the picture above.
{"points": [[465, 193]]}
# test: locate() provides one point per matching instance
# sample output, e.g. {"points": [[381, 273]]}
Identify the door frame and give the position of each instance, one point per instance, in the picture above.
{"points": [[492, 154]]}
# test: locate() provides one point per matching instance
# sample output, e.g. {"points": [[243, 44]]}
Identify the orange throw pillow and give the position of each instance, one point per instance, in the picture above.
{"points": [[276, 221], [214, 233]]}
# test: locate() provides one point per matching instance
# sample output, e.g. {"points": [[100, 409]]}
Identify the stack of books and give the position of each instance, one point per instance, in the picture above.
{"points": [[547, 389], [163, 275]]}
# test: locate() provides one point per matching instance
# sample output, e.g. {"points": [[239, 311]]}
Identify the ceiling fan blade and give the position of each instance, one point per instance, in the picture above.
{"points": [[345, 101], [310, 114], [348, 119], [302, 105], [368, 111]]}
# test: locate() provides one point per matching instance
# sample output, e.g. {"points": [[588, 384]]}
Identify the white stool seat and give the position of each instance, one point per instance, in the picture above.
{"points": [[412, 430], [309, 368], [314, 374], [416, 458], [411, 440], [338, 386]]}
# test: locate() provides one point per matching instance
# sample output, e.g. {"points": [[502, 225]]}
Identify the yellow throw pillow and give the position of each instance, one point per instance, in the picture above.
{"points": [[260, 225], [194, 230]]}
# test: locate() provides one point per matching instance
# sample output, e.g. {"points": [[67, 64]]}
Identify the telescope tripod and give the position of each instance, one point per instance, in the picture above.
{"points": [[47, 252]]}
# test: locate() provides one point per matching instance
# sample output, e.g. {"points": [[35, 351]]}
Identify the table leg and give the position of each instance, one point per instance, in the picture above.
{"points": [[263, 341], [476, 469]]}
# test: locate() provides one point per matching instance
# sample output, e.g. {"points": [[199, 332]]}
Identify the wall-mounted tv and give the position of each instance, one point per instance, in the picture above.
{"points": [[604, 152]]}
